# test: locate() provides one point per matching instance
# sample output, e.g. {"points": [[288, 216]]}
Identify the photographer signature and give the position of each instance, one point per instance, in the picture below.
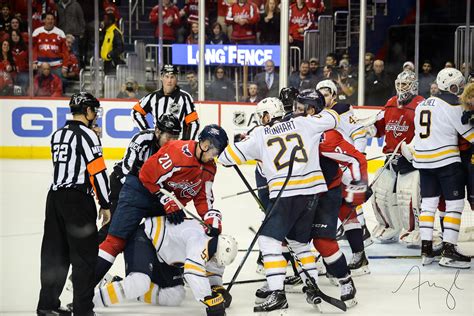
{"points": [[450, 299]]}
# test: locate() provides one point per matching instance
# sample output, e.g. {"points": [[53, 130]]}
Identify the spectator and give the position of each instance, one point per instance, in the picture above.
{"points": [[170, 22], [408, 65], [315, 70], [268, 81], [269, 24], [47, 84], [193, 37], [7, 69], [331, 60], [369, 62], [470, 78], [111, 7], [346, 83], [243, 16], [316, 7], [449, 64], [5, 18], [329, 73], [221, 89], [189, 14], [71, 70], [130, 90], [425, 79], [49, 45], [252, 94], [71, 20], [192, 86], [218, 37], [112, 46], [300, 21], [222, 9], [19, 51], [15, 26], [434, 90], [378, 86], [302, 79], [42, 7], [464, 66]]}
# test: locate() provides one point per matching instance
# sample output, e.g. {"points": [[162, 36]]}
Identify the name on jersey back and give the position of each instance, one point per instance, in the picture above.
{"points": [[280, 128]]}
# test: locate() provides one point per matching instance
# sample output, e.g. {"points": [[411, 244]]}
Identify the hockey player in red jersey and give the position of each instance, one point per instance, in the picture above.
{"points": [[396, 198], [185, 168]]}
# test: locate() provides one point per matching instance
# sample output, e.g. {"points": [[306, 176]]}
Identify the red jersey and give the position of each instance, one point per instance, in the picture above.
{"points": [[50, 86], [175, 168], [72, 65], [5, 76], [20, 56], [248, 11], [299, 18], [169, 31], [192, 12], [397, 123], [340, 152], [50, 46], [222, 7], [41, 7]]}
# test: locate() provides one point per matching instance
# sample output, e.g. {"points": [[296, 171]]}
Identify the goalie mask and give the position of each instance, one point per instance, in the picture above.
{"points": [[272, 107], [406, 85]]}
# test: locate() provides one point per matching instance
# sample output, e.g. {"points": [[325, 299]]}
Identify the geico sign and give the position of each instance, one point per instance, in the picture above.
{"points": [[42, 122]]}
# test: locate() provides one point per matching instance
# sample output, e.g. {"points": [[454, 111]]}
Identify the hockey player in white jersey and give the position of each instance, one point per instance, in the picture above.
{"points": [[155, 257], [436, 155], [292, 217]]}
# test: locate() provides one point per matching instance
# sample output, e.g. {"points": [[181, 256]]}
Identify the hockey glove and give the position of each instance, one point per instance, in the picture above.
{"points": [[176, 217], [356, 193], [218, 289], [407, 151], [213, 220], [214, 304], [169, 205]]}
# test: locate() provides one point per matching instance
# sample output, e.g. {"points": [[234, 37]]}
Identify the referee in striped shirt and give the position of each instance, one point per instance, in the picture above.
{"points": [[170, 99], [70, 232]]}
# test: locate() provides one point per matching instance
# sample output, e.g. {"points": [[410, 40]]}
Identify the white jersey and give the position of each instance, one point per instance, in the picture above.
{"points": [[437, 127], [272, 145], [187, 244], [349, 126]]}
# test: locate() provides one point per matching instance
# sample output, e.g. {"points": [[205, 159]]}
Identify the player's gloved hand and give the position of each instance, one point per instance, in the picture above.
{"points": [[176, 217], [169, 205], [214, 304], [225, 294], [407, 151], [356, 193], [213, 220], [371, 130]]}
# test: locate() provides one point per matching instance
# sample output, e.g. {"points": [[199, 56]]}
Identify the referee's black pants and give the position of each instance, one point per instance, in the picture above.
{"points": [[70, 237]]}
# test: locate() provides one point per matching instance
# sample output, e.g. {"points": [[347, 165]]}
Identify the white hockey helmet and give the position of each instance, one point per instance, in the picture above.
{"points": [[273, 106], [226, 250], [406, 85], [450, 80], [327, 84]]}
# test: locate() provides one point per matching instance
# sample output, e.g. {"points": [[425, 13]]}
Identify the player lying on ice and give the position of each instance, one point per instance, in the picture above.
{"points": [[155, 257]]}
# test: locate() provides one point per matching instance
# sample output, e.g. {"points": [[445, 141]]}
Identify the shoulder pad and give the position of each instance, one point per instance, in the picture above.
{"points": [[341, 108], [392, 102]]}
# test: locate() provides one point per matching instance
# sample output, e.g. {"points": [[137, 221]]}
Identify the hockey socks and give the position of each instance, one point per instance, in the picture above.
{"points": [[334, 259], [108, 251], [355, 239]]}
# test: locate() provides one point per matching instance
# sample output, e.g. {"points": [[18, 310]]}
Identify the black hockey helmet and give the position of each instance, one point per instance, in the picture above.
{"points": [[312, 99], [216, 135], [169, 123], [169, 69], [288, 97], [81, 101]]}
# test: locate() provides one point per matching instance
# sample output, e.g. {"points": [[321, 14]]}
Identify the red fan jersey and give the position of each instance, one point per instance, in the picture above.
{"points": [[299, 18], [247, 11], [175, 168], [169, 30], [396, 123], [50, 46], [20, 57], [335, 151], [192, 12]]}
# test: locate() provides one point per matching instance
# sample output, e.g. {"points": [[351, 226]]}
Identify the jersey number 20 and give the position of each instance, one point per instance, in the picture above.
{"points": [[425, 121], [283, 142]]}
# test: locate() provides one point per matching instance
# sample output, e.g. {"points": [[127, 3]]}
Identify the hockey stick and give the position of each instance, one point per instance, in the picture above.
{"points": [[178, 202], [328, 299], [266, 186], [246, 281], [254, 240]]}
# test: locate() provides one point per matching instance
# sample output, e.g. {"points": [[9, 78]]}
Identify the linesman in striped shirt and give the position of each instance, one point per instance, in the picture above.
{"points": [[70, 232], [169, 99]]}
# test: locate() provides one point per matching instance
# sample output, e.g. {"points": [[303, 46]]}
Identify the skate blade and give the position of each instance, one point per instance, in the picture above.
{"points": [[350, 303], [279, 312], [260, 270], [426, 260], [259, 300], [449, 263], [368, 242], [333, 281], [386, 241], [295, 289], [360, 272]]}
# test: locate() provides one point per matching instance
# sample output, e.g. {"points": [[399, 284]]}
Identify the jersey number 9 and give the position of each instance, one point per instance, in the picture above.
{"points": [[283, 147], [425, 121]]}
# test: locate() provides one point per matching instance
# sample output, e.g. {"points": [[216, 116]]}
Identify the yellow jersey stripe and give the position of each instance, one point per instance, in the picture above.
{"points": [[112, 294], [452, 220], [308, 260], [361, 132], [189, 266], [439, 154], [275, 264], [427, 219], [233, 155], [148, 294], [470, 137], [158, 222], [298, 182]]}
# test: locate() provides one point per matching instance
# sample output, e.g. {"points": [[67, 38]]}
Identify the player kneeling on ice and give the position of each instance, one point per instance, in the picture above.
{"points": [[436, 154], [155, 257], [278, 146]]}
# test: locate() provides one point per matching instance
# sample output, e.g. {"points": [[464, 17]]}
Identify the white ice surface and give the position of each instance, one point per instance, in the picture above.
{"points": [[23, 187]]}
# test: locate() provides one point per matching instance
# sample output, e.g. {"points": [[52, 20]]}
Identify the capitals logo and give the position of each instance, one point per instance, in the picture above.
{"points": [[397, 127], [188, 189]]}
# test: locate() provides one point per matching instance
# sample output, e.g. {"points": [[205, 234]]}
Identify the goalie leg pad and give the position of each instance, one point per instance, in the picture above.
{"points": [[408, 199], [384, 198]]}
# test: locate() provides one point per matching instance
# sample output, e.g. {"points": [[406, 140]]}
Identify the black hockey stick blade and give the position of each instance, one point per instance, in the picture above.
{"points": [[331, 300], [246, 281]]}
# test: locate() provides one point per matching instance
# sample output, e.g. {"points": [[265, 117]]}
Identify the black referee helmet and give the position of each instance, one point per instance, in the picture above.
{"points": [[81, 101], [169, 69]]}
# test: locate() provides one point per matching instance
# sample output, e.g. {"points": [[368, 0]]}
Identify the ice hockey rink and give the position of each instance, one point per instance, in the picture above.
{"points": [[396, 286]]}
